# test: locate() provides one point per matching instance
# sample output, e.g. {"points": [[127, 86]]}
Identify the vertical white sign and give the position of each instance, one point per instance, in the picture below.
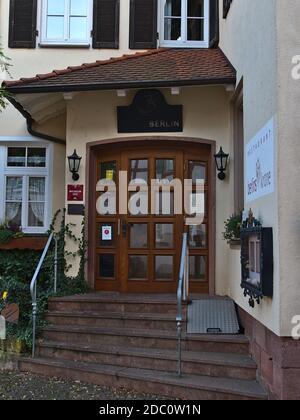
{"points": [[260, 156]]}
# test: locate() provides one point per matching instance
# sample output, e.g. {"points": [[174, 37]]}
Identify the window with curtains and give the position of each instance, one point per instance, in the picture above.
{"points": [[66, 21], [185, 23], [26, 177]]}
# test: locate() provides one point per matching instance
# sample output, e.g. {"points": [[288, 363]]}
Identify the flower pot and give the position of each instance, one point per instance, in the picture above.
{"points": [[235, 243]]}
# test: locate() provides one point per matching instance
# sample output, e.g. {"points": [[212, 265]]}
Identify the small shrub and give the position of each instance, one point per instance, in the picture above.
{"points": [[233, 228]]}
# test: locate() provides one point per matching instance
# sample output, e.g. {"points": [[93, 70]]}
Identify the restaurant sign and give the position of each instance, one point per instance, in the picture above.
{"points": [[260, 164], [149, 113]]}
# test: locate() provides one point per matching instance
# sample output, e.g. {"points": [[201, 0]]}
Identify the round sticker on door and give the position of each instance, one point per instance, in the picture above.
{"points": [[106, 233]]}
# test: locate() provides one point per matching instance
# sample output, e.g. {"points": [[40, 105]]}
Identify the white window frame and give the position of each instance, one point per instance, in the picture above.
{"points": [[183, 43], [26, 173], [44, 41]]}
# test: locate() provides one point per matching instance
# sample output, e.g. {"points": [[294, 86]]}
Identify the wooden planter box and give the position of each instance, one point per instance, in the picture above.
{"points": [[235, 244], [35, 243]]}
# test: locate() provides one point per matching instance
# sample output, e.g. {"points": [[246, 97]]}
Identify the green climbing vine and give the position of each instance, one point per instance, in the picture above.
{"points": [[17, 268]]}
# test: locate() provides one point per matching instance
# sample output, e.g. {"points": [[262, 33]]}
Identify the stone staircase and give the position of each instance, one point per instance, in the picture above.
{"points": [[129, 341]]}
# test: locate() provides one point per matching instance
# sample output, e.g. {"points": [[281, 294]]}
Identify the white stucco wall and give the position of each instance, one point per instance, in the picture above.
{"points": [[288, 38], [268, 37]]}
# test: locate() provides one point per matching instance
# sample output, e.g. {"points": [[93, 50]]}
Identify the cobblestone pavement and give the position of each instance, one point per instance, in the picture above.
{"points": [[25, 386]]}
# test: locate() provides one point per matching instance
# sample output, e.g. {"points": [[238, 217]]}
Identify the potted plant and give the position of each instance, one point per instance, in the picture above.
{"points": [[232, 230]]}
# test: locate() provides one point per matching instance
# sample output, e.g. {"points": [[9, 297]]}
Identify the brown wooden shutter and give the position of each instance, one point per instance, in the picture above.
{"points": [[22, 23], [213, 23], [143, 24], [106, 24]]}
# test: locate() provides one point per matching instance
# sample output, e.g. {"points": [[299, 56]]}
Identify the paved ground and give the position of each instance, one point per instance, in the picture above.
{"points": [[24, 386]]}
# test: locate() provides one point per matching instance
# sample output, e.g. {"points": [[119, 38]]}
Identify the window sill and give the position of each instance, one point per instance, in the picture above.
{"points": [[58, 45], [176, 44]]}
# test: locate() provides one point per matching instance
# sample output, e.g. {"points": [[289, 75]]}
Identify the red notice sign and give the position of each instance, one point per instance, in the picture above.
{"points": [[75, 192]]}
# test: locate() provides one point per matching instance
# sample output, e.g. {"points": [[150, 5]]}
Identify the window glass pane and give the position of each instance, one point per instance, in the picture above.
{"points": [[139, 169], [37, 189], [13, 188], [173, 8], [13, 213], [56, 7], [36, 206], [197, 171], [195, 8], [108, 171], [16, 156], [78, 7], [55, 27], [13, 207], [165, 169], [164, 203], [78, 28], [138, 235], [197, 236], [164, 238], [107, 266], [197, 204], [164, 267], [36, 214], [172, 29], [197, 266], [138, 267], [195, 29], [36, 157]]}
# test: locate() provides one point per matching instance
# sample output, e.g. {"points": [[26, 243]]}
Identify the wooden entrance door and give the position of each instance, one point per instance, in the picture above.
{"points": [[138, 252]]}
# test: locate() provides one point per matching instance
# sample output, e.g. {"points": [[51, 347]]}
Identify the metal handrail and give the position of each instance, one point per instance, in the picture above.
{"points": [[33, 284], [182, 293]]}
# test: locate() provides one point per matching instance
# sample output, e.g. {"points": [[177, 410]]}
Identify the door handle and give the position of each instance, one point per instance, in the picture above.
{"points": [[124, 228]]}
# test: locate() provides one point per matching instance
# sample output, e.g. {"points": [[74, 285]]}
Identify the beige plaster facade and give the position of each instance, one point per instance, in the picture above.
{"points": [[259, 38]]}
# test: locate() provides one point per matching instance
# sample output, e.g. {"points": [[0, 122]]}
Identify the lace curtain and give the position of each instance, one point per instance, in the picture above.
{"points": [[14, 199], [37, 200]]}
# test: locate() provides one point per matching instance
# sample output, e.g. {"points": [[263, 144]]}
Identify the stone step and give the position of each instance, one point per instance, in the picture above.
{"points": [[116, 303], [206, 364], [148, 339], [115, 320], [189, 387]]}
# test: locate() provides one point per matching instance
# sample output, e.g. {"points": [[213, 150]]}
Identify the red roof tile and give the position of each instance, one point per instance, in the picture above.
{"points": [[162, 67]]}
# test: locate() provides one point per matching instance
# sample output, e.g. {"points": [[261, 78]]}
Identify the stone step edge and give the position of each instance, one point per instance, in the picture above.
{"points": [[115, 315], [201, 383], [227, 339], [212, 358], [117, 300]]}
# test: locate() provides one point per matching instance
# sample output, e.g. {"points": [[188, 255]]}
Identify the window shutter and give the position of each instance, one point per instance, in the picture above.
{"points": [[213, 23], [106, 24], [22, 23], [143, 24]]}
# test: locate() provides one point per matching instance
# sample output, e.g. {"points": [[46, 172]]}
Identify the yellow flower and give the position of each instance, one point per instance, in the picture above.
{"points": [[4, 296]]}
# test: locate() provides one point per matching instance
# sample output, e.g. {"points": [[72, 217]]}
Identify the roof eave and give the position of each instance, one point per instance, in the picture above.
{"points": [[88, 87]]}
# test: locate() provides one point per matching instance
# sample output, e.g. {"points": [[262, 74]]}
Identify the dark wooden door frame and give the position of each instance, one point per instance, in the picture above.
{"points": [[92, 148]]}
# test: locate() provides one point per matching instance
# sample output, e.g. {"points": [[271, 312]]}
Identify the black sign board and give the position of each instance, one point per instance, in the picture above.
{"points": [[150, 113], [76, 210]]}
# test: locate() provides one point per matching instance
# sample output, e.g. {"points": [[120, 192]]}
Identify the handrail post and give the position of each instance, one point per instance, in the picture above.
{"points": [[55, 262], [33, 291], [182, 294]]}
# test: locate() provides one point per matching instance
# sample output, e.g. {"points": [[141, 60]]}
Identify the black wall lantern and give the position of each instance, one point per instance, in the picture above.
{"points": [[221, 159], [74, 164]]}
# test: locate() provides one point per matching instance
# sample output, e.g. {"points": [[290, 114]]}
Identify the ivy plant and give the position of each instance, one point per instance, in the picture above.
{"points": [[17, 268]]}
